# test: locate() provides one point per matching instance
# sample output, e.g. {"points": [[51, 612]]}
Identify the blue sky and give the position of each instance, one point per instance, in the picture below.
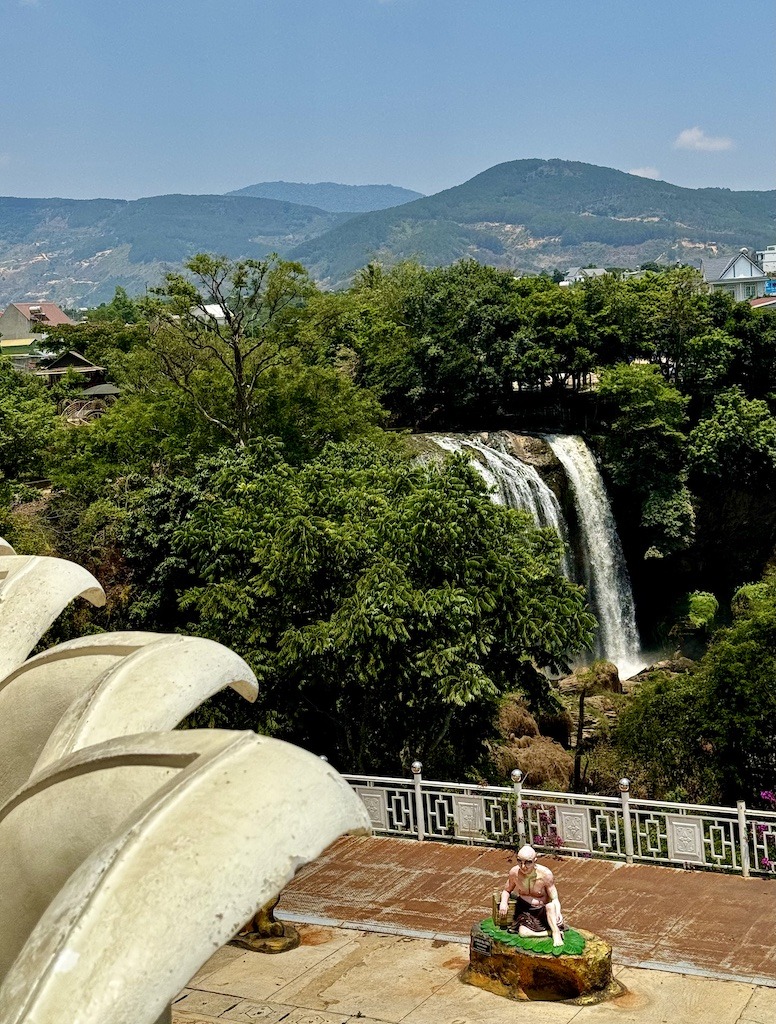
{"points": [[145, 97]]}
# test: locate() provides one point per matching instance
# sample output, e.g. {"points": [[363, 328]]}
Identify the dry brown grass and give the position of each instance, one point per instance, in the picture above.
{"points": [[543, 762], [514, 719]]}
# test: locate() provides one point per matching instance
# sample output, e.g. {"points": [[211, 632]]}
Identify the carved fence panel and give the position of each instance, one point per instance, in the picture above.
{"points": [[646, 831]]}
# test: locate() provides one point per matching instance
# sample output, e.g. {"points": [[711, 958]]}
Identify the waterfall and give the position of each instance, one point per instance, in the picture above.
{"points": [[518, 485], [515, 484], [606, 574]]}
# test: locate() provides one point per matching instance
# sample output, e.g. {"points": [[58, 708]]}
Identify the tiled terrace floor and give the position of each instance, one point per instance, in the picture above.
{"points": [[387, 940], [691, 921]]}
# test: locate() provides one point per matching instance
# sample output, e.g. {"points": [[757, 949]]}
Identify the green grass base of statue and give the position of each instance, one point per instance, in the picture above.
{"points": [[573, 943]]}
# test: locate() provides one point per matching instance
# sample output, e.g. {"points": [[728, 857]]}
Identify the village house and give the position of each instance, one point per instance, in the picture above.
{"points": [[576, 274], [22, 325], [73, 362], [742, 276]]}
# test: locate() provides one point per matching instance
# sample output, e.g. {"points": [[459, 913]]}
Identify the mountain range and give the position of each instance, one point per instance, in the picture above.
{"points": [[526, 215], [329, 196], [533, 215]]}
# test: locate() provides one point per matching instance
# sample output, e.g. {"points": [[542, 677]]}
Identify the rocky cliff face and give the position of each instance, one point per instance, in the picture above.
{"points": [[537, 453]]}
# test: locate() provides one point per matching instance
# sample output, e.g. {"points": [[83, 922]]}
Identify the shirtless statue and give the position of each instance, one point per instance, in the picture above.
{"points": [[537, 907]]}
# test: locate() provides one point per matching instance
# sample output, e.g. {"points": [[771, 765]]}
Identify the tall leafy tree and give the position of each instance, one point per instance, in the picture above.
{"points": [[557, 340], [645, 452], [738, 697], [219, 328], [385, 605], [706, 362], [674, 309], [436, 344], [711, 735], [735, 442], [27, 423]]}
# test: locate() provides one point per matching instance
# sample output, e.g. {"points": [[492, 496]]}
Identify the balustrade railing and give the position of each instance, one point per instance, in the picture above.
{"points": [[734, 839]]}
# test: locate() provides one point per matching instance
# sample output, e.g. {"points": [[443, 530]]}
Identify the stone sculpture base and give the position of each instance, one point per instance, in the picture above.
{"points": [[517, 973], [265, 934], [268, 943]]}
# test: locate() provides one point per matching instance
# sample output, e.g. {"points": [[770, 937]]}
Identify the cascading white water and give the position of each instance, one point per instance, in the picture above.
{"points": [[606, 574], [515, 484]]}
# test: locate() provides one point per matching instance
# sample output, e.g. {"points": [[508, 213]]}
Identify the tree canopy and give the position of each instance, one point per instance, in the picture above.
{"points": [[710, 735], [385, 605], [222, 326], [242, 486]]}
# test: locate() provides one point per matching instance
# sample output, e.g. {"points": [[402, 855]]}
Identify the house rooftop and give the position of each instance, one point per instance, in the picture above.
{"points": [[44, 312], [69, 361]]}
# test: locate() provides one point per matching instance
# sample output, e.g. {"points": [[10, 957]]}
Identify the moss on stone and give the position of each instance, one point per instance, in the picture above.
{"points": [[573, 942]]}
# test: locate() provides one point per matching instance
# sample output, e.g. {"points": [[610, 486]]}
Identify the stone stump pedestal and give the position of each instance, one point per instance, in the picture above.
{"points": [[519, 973]]}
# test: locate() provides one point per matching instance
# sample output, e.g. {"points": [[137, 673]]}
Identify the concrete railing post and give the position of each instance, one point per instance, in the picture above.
{"points": [[420, 817], [624, 787], [743, 838], [517, 784]]}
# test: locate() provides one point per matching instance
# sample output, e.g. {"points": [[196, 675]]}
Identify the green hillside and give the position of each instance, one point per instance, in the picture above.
{"points": [[537, 214], [528, 215], [331, 196], [77, 251]]}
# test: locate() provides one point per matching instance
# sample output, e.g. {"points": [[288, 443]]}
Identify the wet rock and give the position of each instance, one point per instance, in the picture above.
{"points": [[676, 665], [600, 677], [532, 450]]}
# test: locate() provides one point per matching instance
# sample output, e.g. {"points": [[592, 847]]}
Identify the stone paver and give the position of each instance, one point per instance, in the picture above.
{"points": [[465, 1004], [761, 1008], [386, 893], [260, 976], [654, 997], [379, 976], [340, 976]]}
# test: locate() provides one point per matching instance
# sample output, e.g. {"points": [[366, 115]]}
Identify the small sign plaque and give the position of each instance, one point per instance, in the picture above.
{"points": [[482, 944]]}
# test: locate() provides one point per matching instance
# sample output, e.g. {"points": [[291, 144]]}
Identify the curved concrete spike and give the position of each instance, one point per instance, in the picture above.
{"points": [[122, 641], [152, 689], [53, 824], [133, 924], [5, 548], [33, 591], [35, 696]]}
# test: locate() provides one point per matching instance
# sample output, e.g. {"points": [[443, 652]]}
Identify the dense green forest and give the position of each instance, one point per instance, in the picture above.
{"points": [[257, 482]]}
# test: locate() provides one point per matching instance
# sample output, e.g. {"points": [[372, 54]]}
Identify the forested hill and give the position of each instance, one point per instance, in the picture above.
{"points": [[531, 215], [331, 196], [527, 215], [76, 251]]}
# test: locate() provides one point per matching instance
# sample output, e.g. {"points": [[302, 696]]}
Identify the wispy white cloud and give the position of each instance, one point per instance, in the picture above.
{"points": [[645, 172], [5, 159], [697, 139]]}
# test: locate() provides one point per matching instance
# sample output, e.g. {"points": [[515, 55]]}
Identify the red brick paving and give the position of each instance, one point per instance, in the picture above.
{"points": [[652, 916]]}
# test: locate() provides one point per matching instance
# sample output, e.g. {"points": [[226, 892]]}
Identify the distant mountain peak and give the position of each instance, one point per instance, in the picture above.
{"points": [[538, 214], [332, 196]]}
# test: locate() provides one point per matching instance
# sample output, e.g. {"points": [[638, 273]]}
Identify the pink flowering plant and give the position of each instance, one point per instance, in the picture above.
{"points": [[547, 836], [765, 834]]}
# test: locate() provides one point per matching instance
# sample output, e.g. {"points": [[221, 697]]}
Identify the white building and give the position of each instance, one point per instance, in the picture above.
{"points": [[767, 259], [739, 275]]}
